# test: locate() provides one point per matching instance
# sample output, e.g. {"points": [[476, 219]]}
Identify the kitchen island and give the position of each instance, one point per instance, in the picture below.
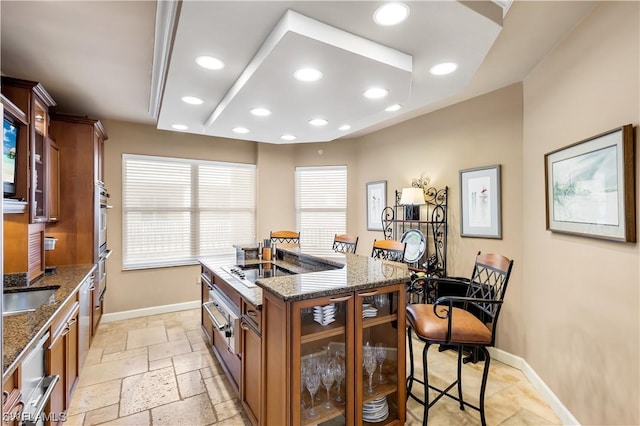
{"points": [[326, 309]]}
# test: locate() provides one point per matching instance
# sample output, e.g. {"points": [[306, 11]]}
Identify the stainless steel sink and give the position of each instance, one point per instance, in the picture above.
{"points": [[27, 300]]}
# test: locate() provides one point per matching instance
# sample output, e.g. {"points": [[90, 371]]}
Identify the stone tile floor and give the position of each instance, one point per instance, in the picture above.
{"points": [[157, 370]]}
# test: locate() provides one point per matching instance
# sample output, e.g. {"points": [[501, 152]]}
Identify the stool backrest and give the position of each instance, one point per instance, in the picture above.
{"points": [[388, 249], [345, 243], [285, 237]]}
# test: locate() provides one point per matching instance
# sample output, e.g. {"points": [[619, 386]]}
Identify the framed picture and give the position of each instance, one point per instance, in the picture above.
{"points": [[590, 187], [480, 202], [376, 202]]}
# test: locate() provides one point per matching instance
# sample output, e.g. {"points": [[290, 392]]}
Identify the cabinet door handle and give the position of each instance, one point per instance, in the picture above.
{"points": [[244, 326], [370, 293], [71, 322], [340, 299], [5, 395], [65, 331], [93, 287], [252, 313], [97, 307]]}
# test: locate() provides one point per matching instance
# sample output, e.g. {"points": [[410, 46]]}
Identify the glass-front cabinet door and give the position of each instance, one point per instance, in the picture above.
{"points": [[380, 336], [323, 379]]}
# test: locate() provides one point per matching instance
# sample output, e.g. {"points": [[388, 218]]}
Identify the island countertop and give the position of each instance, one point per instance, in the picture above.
{"points": [[23, 329], [349, 272]]}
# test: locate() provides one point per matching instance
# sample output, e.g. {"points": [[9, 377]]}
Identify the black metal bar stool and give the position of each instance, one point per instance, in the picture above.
{"points": [[460, 322]]}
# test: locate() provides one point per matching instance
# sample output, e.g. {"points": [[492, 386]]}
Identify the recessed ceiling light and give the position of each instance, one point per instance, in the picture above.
{"points": [[392, 108], [191, 100], [344, 127], [391, 13], [179, 126], [287, 137], [443, 68], [307, 74], [240, 130], [318, 122], [260, 112], [209, 62], [375, 93]]}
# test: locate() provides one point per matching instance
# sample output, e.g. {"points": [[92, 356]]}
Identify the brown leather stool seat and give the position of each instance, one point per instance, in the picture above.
{"points": [[465, 327]]}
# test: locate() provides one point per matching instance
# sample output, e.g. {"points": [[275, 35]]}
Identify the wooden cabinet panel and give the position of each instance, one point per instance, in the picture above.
{"points": [[80, 141], [71, 357], [251, 388], [61, 356], [53, 188], [54, 362], [35, 252]]}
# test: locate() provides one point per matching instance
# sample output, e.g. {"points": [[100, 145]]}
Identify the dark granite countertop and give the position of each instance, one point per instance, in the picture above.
{"points": [[21, 331], [358, 273], [316, 275]]}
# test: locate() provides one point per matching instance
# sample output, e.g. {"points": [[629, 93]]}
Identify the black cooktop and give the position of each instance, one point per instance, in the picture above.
{"points": [[248, 274]]}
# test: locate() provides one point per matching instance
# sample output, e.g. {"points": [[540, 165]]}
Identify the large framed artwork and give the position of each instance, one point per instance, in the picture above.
{"points": [[480, 202], [376, 202], [590, 187]]}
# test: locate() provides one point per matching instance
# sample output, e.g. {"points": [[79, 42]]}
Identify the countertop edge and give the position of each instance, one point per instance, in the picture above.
{"points": [[11, 368]]}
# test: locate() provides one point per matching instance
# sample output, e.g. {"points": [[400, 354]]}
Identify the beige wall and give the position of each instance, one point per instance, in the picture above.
{"points": [[483, 131], [580, 296], [162, 286]]}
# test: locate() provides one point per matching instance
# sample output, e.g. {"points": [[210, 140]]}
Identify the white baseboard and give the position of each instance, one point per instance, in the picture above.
{"points": [[541, 387], [154, 310]]}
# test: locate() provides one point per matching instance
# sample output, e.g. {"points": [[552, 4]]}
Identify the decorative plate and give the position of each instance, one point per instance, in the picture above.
{"points": [[415, 245]]}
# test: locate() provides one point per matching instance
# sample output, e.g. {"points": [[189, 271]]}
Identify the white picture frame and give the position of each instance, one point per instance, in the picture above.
{"points": [[480, 202], [376, 202]]}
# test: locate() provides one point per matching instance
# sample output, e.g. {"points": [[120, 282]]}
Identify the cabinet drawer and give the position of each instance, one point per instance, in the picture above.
{"points": [[68, 311], [252, 314]]}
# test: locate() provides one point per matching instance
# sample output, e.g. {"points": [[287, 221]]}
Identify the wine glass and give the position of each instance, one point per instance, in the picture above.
{"points": [[312, 380], [370, 366], [327, 380], [381, 355], [339, 373]]}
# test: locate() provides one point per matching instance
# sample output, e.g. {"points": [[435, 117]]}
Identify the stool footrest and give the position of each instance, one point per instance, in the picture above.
{"points": [[441, 393]]}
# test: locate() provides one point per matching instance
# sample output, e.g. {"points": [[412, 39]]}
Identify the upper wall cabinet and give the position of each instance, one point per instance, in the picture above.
{"points": [[34, 100]]}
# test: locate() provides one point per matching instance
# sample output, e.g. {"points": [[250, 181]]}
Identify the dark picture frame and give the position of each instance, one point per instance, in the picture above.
{"points": [[590, 187], [376, 202], [480, 202]]}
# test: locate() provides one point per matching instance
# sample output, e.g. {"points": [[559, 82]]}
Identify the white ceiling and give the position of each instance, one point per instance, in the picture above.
{"points": [[95, 58]]}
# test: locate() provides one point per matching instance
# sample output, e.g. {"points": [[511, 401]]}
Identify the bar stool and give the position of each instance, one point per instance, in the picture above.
{"points": [[461, 322], [345, 243]]}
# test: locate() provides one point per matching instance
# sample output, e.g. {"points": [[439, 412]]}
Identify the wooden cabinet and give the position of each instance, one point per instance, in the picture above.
{"points": [[295, 343], [26, 104], [53, 190], [98, 308], [251, 382], [80, 143], [33, 99], [61, 356]]}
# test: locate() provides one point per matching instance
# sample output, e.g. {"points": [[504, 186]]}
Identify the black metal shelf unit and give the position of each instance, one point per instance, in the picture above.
{"points": [[394, 225]]}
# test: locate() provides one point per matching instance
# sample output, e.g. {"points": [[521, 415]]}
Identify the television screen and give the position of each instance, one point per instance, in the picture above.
{"points": [[9, 148]]}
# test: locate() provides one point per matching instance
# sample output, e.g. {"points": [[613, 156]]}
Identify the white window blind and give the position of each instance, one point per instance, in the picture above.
{"points": [[178, 210], [321, 206]]}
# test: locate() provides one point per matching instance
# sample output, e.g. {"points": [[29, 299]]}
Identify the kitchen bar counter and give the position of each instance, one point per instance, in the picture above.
{"points": [[357, 273], [22, 330], [315, 275]]}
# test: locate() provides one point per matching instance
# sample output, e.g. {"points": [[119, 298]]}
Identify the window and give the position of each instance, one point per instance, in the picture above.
{"points": [[321, 206], [177, 210]]}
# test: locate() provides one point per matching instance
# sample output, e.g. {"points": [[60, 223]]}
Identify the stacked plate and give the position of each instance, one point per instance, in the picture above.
{"points": [[375, 410], [324, 314], [369, 311]]}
